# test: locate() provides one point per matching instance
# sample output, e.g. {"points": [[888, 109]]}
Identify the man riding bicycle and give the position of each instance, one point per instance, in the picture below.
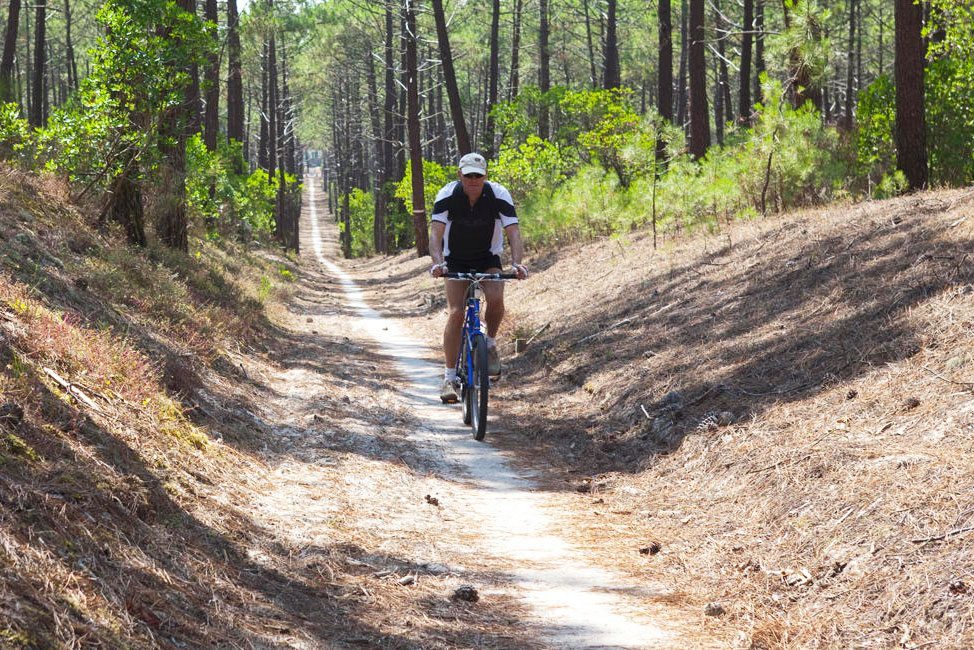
{"points": [[470, 217]]}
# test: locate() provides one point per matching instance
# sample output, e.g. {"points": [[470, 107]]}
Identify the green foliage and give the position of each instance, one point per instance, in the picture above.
{"points": [[361, 208], [224, 200], [806, 166], [876, 120], [950, 120], [139, 73], [15, 133], [535, 166], [435, 176]]}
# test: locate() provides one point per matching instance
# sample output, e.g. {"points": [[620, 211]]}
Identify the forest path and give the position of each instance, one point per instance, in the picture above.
{"points": [[505, 519]]}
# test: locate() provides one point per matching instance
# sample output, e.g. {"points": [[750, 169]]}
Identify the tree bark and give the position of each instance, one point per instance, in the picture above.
{"points": [[759, 66], [593, 74], [71, 64], [544, 65], [515, 51], [665, 61], [613, 75], [744, 94], [211, 76], [7, 89], [849, 75], [38, 84], [911, 146], [449, 76], [235, 103], [682, 83], [493, 73], [413, 126], [699, 118]]}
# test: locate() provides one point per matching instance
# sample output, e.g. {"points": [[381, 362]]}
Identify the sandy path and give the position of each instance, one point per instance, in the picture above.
{"points": [[575, 604]]}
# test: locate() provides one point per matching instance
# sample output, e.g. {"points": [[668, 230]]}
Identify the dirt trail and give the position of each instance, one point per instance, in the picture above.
{"points": [[497, 532]]}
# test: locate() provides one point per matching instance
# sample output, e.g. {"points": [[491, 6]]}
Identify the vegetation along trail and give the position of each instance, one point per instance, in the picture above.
{"points": [[572, 603]]}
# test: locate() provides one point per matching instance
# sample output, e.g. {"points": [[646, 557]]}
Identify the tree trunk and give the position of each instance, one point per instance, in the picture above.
{"points": [[744, 94], [911, 147], [449, 75], [384, 196], [593, 74], [758, 50], [263, 150], [613, 75], [272, 100], [493, 73], [515, 51], [726, 113], [413, 126], [544, 65], [7, 89], [849, 75], [38, 84], [211, 116], [124, 207], [72, 66], [699, 118], [235, 103], [665, 61], [682, 84]]}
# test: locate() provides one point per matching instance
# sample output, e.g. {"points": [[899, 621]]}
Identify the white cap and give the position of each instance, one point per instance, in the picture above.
{"points": [[473, 163]]}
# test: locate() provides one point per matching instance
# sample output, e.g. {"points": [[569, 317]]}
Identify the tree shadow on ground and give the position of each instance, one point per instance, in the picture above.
{"points": [[83, 514], [730, 334]]}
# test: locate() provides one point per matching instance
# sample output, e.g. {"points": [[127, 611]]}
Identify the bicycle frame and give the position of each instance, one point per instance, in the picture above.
{"points": [[471, 363]]}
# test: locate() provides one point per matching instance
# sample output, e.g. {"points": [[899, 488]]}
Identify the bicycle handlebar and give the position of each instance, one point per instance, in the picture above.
{"points": [[480, 276]]}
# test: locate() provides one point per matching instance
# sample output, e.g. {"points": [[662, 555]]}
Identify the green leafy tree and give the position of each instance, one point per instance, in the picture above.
{"points": [[111, 135]]}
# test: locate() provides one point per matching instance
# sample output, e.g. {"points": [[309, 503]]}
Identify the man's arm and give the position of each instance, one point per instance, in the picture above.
{"points": [[437, 228], [517, 250]]}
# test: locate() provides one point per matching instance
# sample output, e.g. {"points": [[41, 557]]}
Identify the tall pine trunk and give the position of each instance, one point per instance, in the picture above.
{"points": [[211, 76], [235, 103], [612, 75], [699, 118], [911, 123], [744, 90], [413, 126], [493, 73], [7, 89], [38, 84], [449, 76]]}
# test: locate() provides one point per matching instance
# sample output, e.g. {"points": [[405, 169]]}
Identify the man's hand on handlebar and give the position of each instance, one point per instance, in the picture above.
{"points": [[520, 271], [437, 270]]}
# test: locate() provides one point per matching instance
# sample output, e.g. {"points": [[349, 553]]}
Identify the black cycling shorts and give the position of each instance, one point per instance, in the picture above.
{"points": [[473, 266]]}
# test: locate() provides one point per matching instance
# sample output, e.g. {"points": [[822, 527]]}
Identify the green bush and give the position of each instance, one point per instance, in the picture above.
{"points": [[224, 200], [16, 138], [435, 176]]}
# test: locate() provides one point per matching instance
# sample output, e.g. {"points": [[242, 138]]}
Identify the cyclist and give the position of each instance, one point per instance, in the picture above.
{"points": [[470, 217]]}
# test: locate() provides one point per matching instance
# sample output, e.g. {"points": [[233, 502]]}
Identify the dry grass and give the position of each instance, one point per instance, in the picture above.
{"points": [[164, 489], [784, 408]]}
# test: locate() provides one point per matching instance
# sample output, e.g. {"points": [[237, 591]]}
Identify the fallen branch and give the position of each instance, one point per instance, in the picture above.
{"points": [[937, 538], [603, 331], [949, 381], [72, 390], [538, 333]]}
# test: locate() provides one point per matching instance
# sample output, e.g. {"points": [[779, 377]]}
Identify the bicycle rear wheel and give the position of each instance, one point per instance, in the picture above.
{"points": [[477, 391]]}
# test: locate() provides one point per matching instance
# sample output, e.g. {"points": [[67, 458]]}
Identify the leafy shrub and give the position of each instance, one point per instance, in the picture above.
{"points": [[435, 176], [535, 166], [227, 201], [15, 133], [876, 119]]}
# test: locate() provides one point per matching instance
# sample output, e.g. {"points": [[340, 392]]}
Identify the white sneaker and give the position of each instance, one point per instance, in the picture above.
{"points": [[448, 392]]}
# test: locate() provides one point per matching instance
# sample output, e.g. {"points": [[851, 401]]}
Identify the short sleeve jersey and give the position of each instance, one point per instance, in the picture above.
{"points": [[473, 232]]}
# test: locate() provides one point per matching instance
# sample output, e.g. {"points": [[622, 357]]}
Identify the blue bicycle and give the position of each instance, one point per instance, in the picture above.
{"points": [[472, 359]]}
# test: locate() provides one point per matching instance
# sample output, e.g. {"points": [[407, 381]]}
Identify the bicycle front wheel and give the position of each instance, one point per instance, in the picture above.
{"points": [[477, 391]]}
